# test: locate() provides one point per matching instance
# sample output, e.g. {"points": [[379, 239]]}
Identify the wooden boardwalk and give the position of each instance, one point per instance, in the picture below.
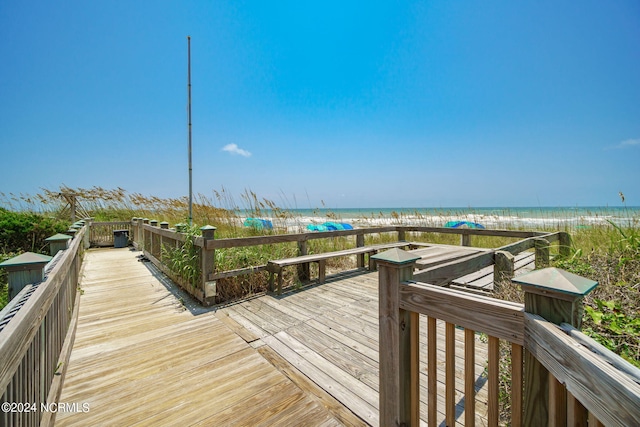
{"points": [[307, 357], [141, 358]]}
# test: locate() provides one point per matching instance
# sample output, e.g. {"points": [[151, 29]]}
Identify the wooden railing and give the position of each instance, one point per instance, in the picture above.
{"points": [[101, 233], [35, 343], [150, 237], [554, 379]]}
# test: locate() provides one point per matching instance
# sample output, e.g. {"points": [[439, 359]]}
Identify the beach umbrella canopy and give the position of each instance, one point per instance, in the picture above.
{"points": [[258, 223], [462, 224], [330, 226]]}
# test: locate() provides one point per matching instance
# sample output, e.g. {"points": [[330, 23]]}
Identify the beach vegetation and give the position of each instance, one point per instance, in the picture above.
{"points": [[602, 250], [21, 232], [184, 260]]}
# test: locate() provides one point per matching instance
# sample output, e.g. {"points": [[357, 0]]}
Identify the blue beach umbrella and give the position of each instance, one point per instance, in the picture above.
{"points": [[258, 223], [330, 226], [459, 224]]}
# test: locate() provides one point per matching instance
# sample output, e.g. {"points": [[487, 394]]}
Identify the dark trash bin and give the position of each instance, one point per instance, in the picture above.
{"points": [[120, 238]]}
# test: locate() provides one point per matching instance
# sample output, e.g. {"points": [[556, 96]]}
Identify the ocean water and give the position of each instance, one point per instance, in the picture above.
{"points": [[491, 217]]}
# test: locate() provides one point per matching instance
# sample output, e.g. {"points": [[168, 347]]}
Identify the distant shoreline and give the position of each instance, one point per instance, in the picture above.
{"points": [[490, 217]]}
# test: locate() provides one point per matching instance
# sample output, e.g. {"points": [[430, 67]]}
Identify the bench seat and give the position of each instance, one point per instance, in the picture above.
{"points": [[275, 267]]}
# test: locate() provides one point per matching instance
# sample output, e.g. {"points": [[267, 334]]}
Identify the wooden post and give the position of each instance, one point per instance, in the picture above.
{"points": [[503, 269], [402, 235], [399, 352], [564, 243], [87, 235], [139, 237], [58, 242], [208, 265], [557, 296], [165, 226], [359, 244], [24, 269], [465, 239], [304, 272], [72, 206], [542, 252], [145, 236], [154, 242]]}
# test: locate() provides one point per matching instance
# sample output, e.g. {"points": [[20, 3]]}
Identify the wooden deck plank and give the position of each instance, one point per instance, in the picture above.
{"points": [[141, 358], [483, 279], [436, 255], [359, 406], [307, 357], [339, 411]]}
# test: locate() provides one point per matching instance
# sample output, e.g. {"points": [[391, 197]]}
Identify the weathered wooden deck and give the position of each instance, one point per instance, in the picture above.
{"points": [[307, 357]]}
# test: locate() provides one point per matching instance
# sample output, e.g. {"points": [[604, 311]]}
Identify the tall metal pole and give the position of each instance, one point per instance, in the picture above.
{"points": [[189, 114]]}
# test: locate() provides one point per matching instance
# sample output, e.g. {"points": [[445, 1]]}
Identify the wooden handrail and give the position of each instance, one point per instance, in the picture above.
{"points": [[30, 347], [573, 385], [497, 318], [150, 237], [612, 396]]}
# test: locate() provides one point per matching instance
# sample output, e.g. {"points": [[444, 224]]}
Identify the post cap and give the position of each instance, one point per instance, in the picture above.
{"points": [[58, 237], [26, 258], [396, 256], [556, 280]]}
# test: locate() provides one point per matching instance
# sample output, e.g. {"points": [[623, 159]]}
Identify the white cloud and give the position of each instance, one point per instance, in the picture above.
{"points": [[234, 149], [629, 143]]}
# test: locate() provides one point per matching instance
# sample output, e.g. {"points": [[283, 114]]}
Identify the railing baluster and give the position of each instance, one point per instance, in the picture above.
{"points": [[493, 380], [31, 347], [469, 377], [557, 403], [432, 368], [450, 374], [593, 421], [577, 414], [517, 370]]}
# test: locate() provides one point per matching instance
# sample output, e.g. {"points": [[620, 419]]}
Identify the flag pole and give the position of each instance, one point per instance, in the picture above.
{"points": [[189, 114]]}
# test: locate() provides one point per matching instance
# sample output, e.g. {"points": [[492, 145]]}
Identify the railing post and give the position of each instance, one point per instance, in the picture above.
{"points": [[153, 240], [399, 342], [303, 269], [23, 270], [165, 226], [134, 232], [542, 252], [402, 234], [359, 244], [87, 234], [465, 239], [503, 269], [557, 296], [564, 243], [58, 242], [208, 265], [145, 235]]}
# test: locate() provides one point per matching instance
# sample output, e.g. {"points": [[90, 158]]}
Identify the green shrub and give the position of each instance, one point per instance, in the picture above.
{"points": [[23, 232], [27, 231], [4, 287], [184, 260]]}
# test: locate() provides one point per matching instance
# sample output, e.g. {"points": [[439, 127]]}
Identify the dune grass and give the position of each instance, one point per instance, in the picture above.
{"points": [[607, 253]]}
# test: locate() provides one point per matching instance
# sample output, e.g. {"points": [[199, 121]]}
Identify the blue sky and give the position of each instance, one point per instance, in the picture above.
{"points": [[350, 104]]}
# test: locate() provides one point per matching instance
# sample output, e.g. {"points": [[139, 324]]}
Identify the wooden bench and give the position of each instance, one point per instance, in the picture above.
{"points": [[275, 267]]}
